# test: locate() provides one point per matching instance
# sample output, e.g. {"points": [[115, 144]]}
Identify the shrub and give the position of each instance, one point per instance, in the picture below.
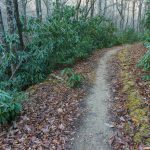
{"points": [[127, 36], [9, 107], [73, 79], [145, 62], [147, 20], [57, 42]]}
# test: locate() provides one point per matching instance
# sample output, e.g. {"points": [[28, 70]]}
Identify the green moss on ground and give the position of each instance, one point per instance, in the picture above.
{"points": [[134, 103]]}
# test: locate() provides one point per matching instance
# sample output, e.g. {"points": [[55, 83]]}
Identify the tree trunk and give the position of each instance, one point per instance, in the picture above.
{"points": [[120, 11], [24, 12], [100, 7], [48, 4], [57, 4], [105, 7], [140, 15], [18, 23], [2, 30], [113, 10], [11, 27], [10, 20], [92, 8], [122, 15], [38, 9], [87, 13], [86, 6], [77, 9], [133, 15], [128, 14]]}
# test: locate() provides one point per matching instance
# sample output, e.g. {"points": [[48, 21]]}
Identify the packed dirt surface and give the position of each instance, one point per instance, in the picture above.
{"points": [[95, 127]]}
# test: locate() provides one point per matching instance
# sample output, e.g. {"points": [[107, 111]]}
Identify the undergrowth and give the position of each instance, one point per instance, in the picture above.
{"points": [[137, 111], [10, 106], [56, 43], [145, 60], [145, 63], [73, 79]]}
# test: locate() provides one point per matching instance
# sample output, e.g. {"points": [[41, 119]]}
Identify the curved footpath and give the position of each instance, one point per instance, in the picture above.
{"points": [[95, 129]]}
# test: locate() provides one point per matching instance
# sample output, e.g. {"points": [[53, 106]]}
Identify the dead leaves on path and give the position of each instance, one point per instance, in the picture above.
{"points": [[129, 107]]}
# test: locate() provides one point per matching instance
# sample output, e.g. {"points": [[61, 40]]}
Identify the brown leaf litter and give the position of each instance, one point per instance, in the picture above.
{"points": [[130, 105], [49, 116]]}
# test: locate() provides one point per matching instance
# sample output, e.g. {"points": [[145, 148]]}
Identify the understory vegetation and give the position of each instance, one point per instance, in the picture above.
{"points": [[57, 43], [35, 48], [145, 61], [73, 79]]}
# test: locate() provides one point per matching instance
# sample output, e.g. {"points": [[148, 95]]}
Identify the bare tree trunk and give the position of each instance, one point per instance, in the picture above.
{"points": [[128, 13], [78, 8], [92, 8], [38, 9], [18, 23], [57, 4], [24, 12], [133, 14], [113, 10], [87, 13], [145, 11], [105, 7], [125, 7], [10, 20], [2, 30], [122, 17], [48, 4], [140, 15], [120, 10], [100, 7], [86, 6], [11, 28]]}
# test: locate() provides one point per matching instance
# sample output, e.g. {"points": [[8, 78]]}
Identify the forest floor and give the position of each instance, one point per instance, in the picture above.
{"points": [[130, 108], [57, 117]]}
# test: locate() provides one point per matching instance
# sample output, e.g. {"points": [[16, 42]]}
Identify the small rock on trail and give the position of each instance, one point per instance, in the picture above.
{"points": [[94, 130]]}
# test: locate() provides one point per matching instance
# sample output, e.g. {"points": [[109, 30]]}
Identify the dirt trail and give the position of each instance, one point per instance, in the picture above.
{"points": [[94, 131]]}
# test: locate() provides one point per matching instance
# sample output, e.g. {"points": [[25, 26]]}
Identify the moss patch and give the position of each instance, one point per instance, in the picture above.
{"points": [[134, 103]]}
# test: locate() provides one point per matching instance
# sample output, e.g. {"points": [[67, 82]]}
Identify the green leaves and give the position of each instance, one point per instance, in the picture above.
{"points": [[57, 42], [73, 79], [147, 20], [127, 36], [9, 107], [145, 62], [4, 95]]}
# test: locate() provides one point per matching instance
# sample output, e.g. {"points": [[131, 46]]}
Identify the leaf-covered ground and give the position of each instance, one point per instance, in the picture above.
{"points": [[49, 116], [130, 106]]}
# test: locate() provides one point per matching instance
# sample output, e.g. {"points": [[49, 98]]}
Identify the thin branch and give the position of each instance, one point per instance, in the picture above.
{"points": [[16, 69], [89, 9]]}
